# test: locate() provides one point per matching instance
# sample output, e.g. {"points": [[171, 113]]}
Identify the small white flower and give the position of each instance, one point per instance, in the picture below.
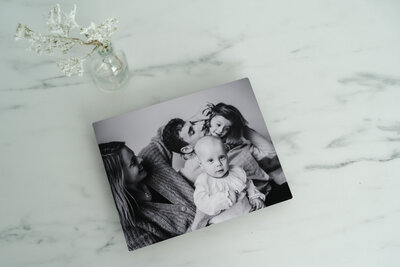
{"points": [[22, 32], [101, 33], [60, 23], [70, 18], [72, 65]]}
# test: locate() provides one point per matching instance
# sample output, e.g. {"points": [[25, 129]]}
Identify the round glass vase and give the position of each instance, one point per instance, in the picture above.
{"points": [[109, 69]]}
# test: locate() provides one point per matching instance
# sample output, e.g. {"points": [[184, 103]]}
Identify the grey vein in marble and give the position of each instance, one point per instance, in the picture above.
{"points": [[370, 82], [15, 233], [210, 58], [288, 139], [12, 107], [393, 156], [108, 244], [44, 85], [391, 128], [345, 140], [370, 79]]}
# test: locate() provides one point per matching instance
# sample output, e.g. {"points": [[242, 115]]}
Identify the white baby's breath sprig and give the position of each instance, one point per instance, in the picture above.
{"points": [[101, 33], [71, 65], [59, 25]]}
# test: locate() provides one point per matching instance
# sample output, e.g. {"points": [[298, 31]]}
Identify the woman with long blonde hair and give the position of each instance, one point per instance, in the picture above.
{"points": [[125, 175]]}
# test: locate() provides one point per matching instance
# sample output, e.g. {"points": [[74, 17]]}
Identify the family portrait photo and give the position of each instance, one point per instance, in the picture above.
{"points": [[189, 163]]}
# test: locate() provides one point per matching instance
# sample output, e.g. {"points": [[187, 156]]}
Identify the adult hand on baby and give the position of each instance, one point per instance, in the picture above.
{"points": [[257, 203]]}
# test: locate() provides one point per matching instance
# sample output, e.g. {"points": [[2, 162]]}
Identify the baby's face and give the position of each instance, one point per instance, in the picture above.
{"points": [[219, 126], [213, 159]]}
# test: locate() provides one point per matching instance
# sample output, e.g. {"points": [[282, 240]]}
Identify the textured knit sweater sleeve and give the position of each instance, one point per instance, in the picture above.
{"points": [[137, 237], [162, 177]]}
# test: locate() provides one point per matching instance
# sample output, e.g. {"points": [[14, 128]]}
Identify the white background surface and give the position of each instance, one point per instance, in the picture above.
{"points": [[326, 75]]}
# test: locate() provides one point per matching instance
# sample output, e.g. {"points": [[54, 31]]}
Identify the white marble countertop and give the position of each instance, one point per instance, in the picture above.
{"points": [[326, 74]]}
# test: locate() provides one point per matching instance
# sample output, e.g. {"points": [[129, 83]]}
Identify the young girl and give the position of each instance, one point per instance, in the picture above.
{"points": [[226, 122], [222, 190]]}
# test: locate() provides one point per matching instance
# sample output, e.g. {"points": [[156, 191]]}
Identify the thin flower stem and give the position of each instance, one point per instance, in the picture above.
{"points": [[119, 60], [91, 52], [94, 42]]}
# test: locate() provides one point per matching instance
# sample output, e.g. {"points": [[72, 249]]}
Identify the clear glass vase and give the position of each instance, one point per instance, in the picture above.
{"points": [[109, 69]]}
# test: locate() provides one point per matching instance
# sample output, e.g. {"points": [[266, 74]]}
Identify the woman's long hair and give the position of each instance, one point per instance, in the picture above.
{"points": [[111, 154]]}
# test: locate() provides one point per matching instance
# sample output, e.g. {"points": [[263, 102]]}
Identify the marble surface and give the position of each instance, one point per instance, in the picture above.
{"points": [[326, 74]]}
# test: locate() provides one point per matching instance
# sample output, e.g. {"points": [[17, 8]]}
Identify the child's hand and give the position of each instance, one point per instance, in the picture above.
{"points": [[232, 195], [203, 113], [257, 203]]}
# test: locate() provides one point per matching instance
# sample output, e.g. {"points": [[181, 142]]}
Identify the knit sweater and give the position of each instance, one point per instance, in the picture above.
{"points": [[158, 221]]}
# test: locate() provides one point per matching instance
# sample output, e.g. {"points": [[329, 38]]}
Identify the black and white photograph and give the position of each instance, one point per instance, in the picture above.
{"points": [[189, 163]]}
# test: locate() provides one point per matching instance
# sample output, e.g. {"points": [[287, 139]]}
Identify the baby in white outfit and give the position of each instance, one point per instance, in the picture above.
{"points": [[222, 190]]}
